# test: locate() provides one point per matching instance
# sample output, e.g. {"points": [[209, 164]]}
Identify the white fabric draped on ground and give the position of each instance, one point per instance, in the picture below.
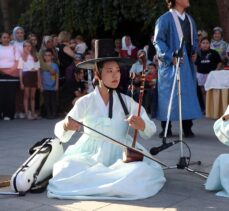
{"points": [[92, 168], [218, 179]]}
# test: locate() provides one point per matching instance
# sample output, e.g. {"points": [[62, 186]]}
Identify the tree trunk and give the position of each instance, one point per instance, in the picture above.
{"points": [[5, 14], [223, 8]]}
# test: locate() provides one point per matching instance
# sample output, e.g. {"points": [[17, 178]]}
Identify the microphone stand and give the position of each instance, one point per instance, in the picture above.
{"points": [[182, 163]]}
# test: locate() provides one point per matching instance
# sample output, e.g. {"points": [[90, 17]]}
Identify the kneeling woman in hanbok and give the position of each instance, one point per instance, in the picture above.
{"points": [[93, 168], [218, 179]]}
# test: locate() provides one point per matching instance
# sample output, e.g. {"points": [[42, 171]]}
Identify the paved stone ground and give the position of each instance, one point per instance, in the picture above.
{"points": [[182, 191]]}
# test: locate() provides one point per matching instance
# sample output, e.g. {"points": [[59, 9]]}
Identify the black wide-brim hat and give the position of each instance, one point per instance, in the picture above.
{"points": [[104, 51]]}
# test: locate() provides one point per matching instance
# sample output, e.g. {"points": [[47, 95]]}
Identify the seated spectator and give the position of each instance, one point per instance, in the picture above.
{"points": [[207, 61], [137, 67], [150, 94], [219, 44], [135, 73], [128, 49]]}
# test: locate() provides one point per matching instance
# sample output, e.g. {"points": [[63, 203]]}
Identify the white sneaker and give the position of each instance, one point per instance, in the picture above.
{"points": [[6, 118], [21, 115], [29, 115], [35, 116], [16, 115]]}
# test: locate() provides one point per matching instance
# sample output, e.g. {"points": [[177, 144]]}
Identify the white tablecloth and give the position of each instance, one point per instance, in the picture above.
{"points": [[218, 79]]}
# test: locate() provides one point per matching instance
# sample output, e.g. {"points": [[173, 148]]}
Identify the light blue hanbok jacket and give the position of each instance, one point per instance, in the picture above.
{"points": [[167, 42]]}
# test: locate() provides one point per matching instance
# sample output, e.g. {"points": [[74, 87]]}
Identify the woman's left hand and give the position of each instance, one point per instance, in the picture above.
{"points": [[136, 122]]}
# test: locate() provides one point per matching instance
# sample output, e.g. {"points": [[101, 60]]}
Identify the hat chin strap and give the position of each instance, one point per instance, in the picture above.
{"points": [[110, 90]]}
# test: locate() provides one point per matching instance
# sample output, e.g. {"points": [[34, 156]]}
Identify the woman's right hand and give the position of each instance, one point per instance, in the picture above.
{"points": [[70, 124]]}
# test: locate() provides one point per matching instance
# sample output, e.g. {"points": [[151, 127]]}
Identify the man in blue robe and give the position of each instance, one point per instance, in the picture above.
{"points": [[169, 30]]}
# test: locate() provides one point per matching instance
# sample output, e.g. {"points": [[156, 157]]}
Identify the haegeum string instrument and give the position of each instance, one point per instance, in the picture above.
{"points": [[132, 155], [133, 151]]}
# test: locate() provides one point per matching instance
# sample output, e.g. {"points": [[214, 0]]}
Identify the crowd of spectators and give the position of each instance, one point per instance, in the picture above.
{"points": [[42, 80]]}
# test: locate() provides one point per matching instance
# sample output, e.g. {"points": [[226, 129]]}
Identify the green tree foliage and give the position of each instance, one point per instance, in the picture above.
{"points": [[98, 17]]}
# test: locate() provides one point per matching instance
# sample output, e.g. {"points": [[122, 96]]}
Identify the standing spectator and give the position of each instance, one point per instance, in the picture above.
{"points": [[170, 27], [88, 74], [227, 56], [33, 39], [72, 44], [207, 61], [118, 47], [218, 43], [29, 67], [79, 85], [150, 95], [128, 49], [50, 85], [81, 46], [18, 37], [55, 40], [201, 34], [8, 78], [66, 56], [47, 43], [92, 50]]}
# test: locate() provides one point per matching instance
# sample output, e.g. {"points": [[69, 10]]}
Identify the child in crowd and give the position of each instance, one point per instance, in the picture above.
{"points": [[50, 85], [150, 98], [29, 75], [80, 87], [207, 61]]}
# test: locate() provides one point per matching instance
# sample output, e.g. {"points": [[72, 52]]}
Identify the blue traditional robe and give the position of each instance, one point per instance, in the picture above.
{"points": [[167, 42]]}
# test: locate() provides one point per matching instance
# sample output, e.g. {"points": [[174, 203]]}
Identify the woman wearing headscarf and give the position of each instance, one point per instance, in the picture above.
{"points": [[18, 36], [218, 44], [18, 39], [128, 49]]}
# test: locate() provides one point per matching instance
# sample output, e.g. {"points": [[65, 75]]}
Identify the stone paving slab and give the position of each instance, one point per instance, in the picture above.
{"points": [[182, 191]]}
